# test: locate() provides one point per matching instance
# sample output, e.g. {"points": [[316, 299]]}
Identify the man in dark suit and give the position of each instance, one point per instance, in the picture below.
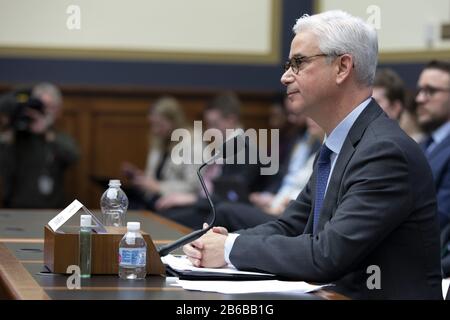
{"points": [[433, 111], [366, 221]]}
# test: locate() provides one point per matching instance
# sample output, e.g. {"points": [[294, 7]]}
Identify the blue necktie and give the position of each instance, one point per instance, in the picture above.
{"points": [[323, 171], [426, 144]]}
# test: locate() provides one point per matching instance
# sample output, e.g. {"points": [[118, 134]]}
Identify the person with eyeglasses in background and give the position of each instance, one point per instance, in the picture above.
{"points": [[433, 111], [370, 200]]}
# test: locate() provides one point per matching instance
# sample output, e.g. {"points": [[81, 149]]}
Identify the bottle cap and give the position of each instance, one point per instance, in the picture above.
{"points": [[85, 220], [114, 183], [133, 226]]}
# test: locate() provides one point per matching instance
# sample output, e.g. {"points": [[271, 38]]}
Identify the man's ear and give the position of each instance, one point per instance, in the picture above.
{"points": [[398, 108], [344, 66]]}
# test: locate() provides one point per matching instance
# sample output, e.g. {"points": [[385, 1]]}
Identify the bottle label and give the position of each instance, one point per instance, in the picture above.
{"points": [[132, 257]]}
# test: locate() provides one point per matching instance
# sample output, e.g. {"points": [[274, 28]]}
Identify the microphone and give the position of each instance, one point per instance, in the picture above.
{"points": [[228, 150]]}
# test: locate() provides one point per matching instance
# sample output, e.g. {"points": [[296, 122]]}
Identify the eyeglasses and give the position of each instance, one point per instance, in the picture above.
{"points": [[296, 61], [430, 91]]}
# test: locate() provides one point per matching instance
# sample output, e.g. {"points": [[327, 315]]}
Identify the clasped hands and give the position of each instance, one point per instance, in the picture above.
{"points": [[208, 250]]}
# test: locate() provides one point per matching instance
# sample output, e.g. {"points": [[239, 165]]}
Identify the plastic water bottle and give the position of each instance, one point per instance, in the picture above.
{"points": [[85, 245], [133, 253], [114, 205]]}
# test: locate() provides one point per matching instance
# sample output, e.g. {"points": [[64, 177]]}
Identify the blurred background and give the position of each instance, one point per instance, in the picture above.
{"points": [[113, 59]]}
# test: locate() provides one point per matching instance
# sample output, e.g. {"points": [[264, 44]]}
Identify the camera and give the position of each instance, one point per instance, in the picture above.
{"points": [[14, 105]]}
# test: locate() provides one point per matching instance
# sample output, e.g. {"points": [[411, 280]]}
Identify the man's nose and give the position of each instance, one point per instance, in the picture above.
{"points": [[287, 77], [420, 97]]}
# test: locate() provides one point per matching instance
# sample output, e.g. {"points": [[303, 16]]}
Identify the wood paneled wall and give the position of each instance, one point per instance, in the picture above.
{"points": [[110, 126]]}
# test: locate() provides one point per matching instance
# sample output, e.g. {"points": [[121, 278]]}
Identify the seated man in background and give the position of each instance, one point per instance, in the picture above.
{"points": [[33, 154], [390, 93], [433, 110], [281, 118], [290, 163], [192, 208]]}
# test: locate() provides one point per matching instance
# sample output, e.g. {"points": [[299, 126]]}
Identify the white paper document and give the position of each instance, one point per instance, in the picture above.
{"points": [[445, 286], [182, 263], [248, 286]]}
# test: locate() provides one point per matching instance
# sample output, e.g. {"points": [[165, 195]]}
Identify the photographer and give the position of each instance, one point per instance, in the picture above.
{"points": [[33, 155]]}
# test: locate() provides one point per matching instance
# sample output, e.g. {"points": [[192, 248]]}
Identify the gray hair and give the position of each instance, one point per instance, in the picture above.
{"points": [[50, 89], [338, 33]]}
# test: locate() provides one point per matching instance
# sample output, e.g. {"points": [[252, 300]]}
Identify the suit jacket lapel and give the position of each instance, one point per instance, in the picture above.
{"points": [[371, 112], [441, 146]]}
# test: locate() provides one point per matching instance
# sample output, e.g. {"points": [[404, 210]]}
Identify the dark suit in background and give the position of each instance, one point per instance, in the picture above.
{"points": [[439, 160], [194, 215], [445, 241], [433, 116]]}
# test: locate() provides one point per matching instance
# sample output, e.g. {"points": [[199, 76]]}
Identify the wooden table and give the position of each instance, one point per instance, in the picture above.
{"points": [[24, 276]]}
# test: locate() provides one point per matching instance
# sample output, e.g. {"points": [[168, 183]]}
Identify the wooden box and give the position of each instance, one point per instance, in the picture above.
{"points": [[61, 249]]}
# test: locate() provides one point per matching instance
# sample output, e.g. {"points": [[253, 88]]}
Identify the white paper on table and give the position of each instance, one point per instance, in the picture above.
{"points": [[231, 287], [445, 286], [182, 263]]}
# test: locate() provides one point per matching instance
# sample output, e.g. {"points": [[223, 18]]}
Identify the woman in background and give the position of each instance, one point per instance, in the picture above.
{"points": [[161, 176]]}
